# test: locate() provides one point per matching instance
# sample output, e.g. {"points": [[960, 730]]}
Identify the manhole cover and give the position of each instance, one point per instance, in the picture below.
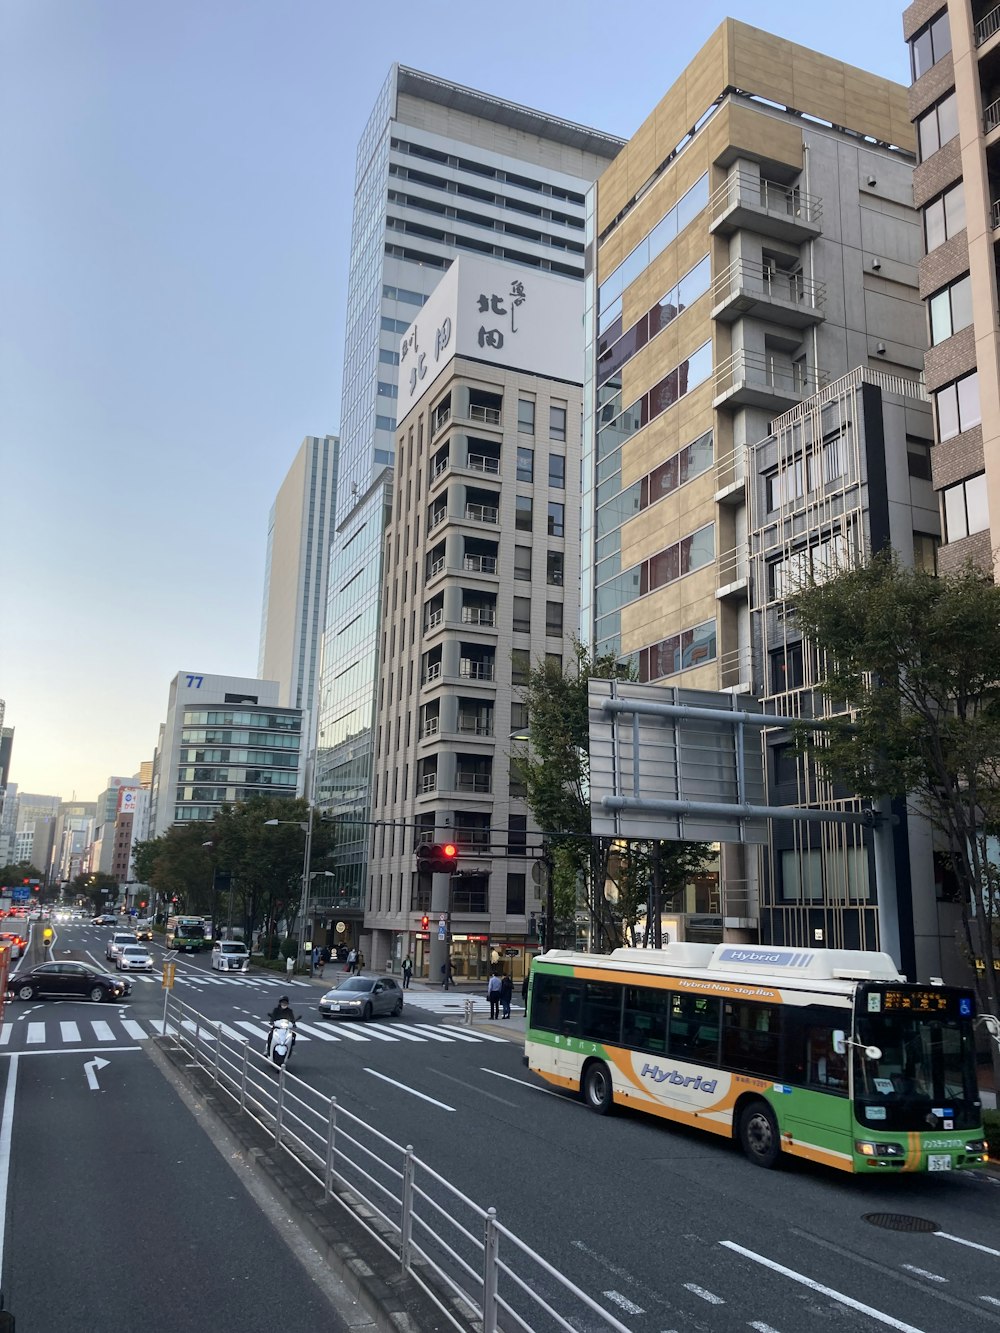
{"points": [[900, 1222]]}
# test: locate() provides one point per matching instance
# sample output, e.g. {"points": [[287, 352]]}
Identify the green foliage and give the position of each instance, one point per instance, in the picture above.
{"points": [[917, 659], [14, 875], [93, 886], [650, 878]]}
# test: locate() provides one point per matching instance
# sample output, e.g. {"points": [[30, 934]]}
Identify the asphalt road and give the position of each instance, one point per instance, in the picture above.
{"points": [[667, 1229]]}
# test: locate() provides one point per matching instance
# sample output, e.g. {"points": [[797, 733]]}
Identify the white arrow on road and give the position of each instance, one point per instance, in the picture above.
{"points": [[90, 1069]]}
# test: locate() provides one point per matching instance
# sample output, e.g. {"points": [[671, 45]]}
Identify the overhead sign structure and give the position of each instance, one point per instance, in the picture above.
{"points": [[663, 768]]}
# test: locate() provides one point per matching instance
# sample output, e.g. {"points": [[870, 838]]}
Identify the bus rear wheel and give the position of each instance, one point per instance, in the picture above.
{"points": [[597, 1091], [758, 1134]]}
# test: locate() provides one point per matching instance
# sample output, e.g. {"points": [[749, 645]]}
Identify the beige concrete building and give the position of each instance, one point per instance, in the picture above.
{"points": [[753, 242], [482, 568], [954, 102]]}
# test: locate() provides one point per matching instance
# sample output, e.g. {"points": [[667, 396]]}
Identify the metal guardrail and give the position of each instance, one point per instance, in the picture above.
{"points": [[987, 26], [991, 117], [458, 1251], [746, 187], [995, 214], [769, 283]]}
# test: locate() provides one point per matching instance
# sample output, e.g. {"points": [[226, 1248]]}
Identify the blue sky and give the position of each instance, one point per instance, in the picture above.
{"points": [[175, 209]]}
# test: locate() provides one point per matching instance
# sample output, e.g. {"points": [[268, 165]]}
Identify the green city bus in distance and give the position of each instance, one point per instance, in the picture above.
{"points": [[826, 1054], [186, 933]]}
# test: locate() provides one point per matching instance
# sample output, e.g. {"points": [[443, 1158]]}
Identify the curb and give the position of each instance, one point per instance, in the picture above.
{"points": [[393, 1300]]}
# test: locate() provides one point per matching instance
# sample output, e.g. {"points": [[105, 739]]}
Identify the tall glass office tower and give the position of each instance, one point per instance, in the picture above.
{"points": [[440, 169]]}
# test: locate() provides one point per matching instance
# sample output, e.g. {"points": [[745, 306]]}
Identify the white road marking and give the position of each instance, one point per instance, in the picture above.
{"points": [[839, 1296], [157, 1023], [709, 1296], [75, 1050], [922, 1272], [344, 1030], [378, 1034], [412, 1091], [255, 1029], [402, 1033], [90, 1069], [549, 1092], [102, 1030], [6, 1133], [990, 1300], [70, 1032], [316, 1032], [36, 1034], [623, 1302], [135, 1030], [5, 1034], [761, 1327], [972, 1244], [427, 1032]]}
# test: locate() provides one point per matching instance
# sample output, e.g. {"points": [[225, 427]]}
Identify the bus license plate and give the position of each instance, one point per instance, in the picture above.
{"points": [[939, 1162]]}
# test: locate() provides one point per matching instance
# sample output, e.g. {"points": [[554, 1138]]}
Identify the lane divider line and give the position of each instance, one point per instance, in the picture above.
{"points": [[412, 1091]]}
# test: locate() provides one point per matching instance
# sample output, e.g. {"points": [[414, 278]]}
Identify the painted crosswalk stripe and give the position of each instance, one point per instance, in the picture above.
{"points": [[5, 1034], [134, 1029], [451, 1033], [229, 1032], [425, 1031], [102, 1031], [158, 1024], [36, 1034], [70, 1031], [400, 1030], [316, 1032], [379, 1034]]}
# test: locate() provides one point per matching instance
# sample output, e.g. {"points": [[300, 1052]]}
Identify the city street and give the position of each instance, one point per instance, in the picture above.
{"points": [[666, 1228]]}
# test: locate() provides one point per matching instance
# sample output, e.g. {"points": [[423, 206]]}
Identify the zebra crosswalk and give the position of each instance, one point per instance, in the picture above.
{"points": [[256, 981], [47, 1034]]}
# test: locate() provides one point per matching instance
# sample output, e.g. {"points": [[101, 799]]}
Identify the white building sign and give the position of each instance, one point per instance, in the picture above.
{"points": [[490, 311]]}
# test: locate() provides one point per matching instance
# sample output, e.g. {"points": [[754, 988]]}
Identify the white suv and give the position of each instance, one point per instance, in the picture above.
{"points": [[230, 956], [118, 941]]}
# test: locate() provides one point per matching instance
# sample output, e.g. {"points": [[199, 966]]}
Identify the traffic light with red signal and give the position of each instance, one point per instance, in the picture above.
{"points": [[425, 922], [437, 858]]}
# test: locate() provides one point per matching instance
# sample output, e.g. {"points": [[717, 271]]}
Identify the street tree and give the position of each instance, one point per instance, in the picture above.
{"points": [[554, 763], [14, 875], [177, 865], [917, 660], [97, 887]]}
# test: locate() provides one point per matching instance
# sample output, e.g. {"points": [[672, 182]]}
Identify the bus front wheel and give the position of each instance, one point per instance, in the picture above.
{"points": [[758, 1133], [597, 1092]]}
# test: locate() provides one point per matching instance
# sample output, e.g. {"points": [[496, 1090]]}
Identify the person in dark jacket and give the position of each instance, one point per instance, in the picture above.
{"points": [[506, 991], [281, 1010]]}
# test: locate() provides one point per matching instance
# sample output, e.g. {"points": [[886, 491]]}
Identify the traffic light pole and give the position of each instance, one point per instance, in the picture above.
{"points": [[440, 950]]}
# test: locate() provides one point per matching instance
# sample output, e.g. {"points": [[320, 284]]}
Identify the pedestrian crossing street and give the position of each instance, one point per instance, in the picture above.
{"points": [[47, 1034]]}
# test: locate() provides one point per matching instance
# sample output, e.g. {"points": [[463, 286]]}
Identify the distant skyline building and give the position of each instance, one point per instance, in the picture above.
{"points": [[441, 169], [225, 739], [300, 526]]}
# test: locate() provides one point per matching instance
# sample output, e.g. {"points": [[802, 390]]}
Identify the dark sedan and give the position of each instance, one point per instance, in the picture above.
{"points": [[58, 981]]}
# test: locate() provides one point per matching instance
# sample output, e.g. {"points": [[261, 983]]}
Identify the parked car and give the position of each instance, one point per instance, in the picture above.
{"points": [[117, 942], [69, 980], [17, 943], [134, 958], [230, 956], [362, 997]]}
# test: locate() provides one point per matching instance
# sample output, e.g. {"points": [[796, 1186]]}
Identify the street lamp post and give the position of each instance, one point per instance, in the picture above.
{"points": [[307, 828]]}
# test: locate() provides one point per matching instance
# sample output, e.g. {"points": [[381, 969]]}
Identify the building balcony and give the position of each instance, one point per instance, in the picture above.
{"points": [[988, 26], [473, 725], [731, 477], [480, 564], [736, 671], [991, 117], [437, 518], [432, 673], [995, 214], [486, 416], [749, 288], [482, 513], [745, 200], [470, 670], [440, 419], [479, 615], [731, 574], [436, 567], [758, 379], [430, 728], [428, 784], [434, 620], [483, 463], [440, 466], [478, 784]]}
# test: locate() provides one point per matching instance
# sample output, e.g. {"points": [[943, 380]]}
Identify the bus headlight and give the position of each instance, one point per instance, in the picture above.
{"points": [[867, 1149], [976, 1145]]}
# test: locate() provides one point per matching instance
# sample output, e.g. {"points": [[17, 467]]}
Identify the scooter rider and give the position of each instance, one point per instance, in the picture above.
{"points": [[282, 1010]]}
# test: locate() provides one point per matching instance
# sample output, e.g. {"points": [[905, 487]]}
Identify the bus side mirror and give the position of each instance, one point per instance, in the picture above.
{"points": [[839, 1042], [873, 1052]]}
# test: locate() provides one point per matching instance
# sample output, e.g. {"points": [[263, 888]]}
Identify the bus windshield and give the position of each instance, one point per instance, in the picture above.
{"points": [[925, 1077]]}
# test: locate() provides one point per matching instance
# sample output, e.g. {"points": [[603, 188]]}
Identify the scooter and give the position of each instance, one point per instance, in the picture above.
{"points": [[282, 1040]]}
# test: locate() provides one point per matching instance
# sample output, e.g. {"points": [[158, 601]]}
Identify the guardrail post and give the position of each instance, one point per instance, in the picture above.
{"points": [[280, 1107], [406, 1220], [218, 1045], [197, 1039], [243, 1076], [491, 1248], [331, 1138], [470, 1006]]}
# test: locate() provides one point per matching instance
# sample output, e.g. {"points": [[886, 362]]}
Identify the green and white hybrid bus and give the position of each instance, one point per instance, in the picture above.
{"points": [[827, 1054]]}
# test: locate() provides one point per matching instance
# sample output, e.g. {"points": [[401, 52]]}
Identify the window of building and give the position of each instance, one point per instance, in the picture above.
{"points": [[522, 562], [937, 126], [553, 619], [925, 546], [554, 568], [801, 876], [918, 458], [518, 717], [929, 44], [554, 662], [557, 423], [680, 652], [787, 668], [521, 623], [520, 666], [517, 788], [557, 471], [515, 894], [965, 508], [525, 463], [525, 416], [950, 310], [522, 513], [944, 217], [556, 519], [957, 406]]}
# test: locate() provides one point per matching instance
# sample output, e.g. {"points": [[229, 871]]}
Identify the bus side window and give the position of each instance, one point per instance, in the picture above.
{"points": [[694, 1028]]}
